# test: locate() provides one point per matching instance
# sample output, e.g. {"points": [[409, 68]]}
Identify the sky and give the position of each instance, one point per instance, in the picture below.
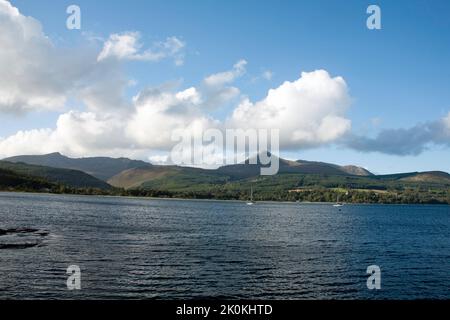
{"points": [[138, 70]]}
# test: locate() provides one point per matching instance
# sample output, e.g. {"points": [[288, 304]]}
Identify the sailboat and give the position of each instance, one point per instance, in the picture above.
{"points": [[338, 204], [251, 197]]}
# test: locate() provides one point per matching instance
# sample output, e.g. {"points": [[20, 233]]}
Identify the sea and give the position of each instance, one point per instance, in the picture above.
{"points": [[92, 247]]}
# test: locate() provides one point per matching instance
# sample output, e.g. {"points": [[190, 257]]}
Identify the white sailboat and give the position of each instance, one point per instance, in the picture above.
{"points": [[338, 204], [251, 197]]}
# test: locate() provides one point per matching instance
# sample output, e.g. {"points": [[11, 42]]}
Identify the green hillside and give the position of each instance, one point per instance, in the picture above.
{"points": [[248, 169], [66, 177], [427, 187], [102, 168], [13, 181], [296, 181], [171, 178]]}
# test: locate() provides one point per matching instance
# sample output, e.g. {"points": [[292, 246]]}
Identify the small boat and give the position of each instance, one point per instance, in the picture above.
{"points": [[338, 204], [251, 202]]}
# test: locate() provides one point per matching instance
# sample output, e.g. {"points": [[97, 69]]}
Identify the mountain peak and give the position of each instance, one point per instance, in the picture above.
{"points": [[54, 154]]}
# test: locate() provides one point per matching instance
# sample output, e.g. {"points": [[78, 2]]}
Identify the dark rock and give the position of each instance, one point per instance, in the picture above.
{"points": [[21, 230], [18, 245]]}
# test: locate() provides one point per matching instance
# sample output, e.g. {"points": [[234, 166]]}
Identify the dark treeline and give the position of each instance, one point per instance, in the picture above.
{"points": [[314, 195], [318, 195]]}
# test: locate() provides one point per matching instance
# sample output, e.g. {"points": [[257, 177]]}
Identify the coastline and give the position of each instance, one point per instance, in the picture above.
{"points": [[217, 200]]}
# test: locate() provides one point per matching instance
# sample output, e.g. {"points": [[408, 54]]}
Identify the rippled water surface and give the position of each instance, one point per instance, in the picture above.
{"points": [[146, 248]]}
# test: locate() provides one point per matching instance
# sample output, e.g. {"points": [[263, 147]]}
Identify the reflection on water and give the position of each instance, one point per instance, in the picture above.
{"points": [[140, 248]]}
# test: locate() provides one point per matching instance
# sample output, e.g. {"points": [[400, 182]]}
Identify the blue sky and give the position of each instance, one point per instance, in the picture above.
{"points": [[397, 77]]}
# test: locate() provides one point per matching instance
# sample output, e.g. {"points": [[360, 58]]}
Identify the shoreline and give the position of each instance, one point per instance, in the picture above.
{"points": [[219, 200]]}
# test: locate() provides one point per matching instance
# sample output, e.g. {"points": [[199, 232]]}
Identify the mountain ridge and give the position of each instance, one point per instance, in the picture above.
{"points": [[127, 173], [299, 180], [68, 177], [101, 168]]}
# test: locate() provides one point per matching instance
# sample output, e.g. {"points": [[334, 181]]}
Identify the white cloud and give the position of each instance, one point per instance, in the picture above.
{"points": [[154, 115], [217, 89], [189, 95], [159, 159], [309, 111], [127, 46], [226, 77], [36, 141], [172, 45], [36, 75], [404, 141], [158, 113], [121, 46], [86, 132], [76, 133], [29, 75]]}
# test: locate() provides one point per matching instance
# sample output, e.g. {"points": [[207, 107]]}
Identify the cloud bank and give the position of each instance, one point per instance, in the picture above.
{"points": [[403, 142], [35, 74], [27, 57], [127, 46], [310, 111]]}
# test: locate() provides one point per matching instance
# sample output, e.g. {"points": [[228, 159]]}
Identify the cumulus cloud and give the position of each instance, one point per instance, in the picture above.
{"points": [[159, 113], [76, 133], [35, 74], [27, 57], [147, 123], [156, 116], [222, 78], [409, 141], [217, 89], [309, 111], [127, 46], [28, 142], [102, 88]]}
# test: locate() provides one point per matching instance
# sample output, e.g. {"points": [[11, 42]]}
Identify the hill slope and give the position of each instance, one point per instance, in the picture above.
{"points": [[172, 178], [102, 168], [291, 175], [296, 181], [10, 180], [246, 170], [68, 177], [429, 177]]}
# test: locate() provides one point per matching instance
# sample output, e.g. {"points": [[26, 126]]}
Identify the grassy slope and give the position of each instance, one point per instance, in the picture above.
{"points": [[224, 184], [10, 180], [71, 178], [178, 178], [102, 168]]}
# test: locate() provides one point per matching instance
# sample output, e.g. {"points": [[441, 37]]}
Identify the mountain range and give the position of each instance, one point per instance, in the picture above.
{"points": [[293, 176], [102, 168], [68, 177], [127, 173]]}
